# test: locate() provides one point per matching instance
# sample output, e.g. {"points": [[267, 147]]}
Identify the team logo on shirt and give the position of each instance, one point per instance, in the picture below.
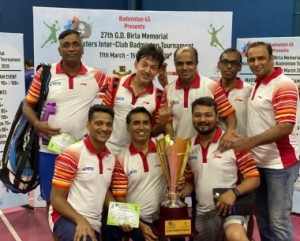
{"points": [[176, 102], [120, 99], [89, 169], [192, 158], [55, 83], [133, 172]]}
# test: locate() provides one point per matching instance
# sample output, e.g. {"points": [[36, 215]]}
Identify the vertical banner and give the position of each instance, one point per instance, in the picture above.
{"points": [[112, 37], [286, 51], [12, 90]]}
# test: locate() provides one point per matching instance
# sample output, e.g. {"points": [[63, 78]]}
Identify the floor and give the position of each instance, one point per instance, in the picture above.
{"points": [[22, 224]]}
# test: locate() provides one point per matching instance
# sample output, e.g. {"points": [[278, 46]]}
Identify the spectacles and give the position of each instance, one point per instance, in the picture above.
{"points": [[233, 63]]}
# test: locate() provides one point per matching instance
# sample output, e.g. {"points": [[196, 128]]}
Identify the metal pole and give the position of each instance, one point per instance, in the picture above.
{"points": [[134, 5], [296, 18]]}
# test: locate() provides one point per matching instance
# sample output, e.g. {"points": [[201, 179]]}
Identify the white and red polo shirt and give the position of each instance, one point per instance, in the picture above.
{"points": [[184, 97], [238, 97], [274, 100], [213, 169], [73, 96], [123, 100], [139, 178], [87, 174]]}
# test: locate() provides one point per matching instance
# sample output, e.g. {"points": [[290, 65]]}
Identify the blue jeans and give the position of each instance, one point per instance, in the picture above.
{"points": [[274, 201]]}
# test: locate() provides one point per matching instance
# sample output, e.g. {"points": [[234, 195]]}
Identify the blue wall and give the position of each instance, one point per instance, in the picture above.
{"points": [[255, 18]]}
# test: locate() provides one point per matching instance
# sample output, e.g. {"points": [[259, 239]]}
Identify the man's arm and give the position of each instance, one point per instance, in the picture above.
{"points": [[162, 119], [273, 134], [59, 202], [41, 126], [227, 199], [187, 189], [226, 139]]}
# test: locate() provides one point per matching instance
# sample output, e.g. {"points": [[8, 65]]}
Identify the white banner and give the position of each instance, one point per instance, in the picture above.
{"points": [[286, 51], [112, 37], [12, 90]]}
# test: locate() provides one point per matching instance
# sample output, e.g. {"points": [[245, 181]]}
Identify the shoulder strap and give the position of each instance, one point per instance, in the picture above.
{"points": [[45, 78], [116, 82]]}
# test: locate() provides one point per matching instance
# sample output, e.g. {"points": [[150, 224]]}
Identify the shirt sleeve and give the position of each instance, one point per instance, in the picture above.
{"points": [[246, 164], [107, 97], [285, 101], [224, 107], [119, 181], [34, 91], [65, 168]]}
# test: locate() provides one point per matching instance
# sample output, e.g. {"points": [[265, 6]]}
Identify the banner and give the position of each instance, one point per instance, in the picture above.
{"points": [[286, 51], [112, 37], [12, 90]]}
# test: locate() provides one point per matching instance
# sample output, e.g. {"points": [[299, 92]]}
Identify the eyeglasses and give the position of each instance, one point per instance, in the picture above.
{"points": [[233, 63]]}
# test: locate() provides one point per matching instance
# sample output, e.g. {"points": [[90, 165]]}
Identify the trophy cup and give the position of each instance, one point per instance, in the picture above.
{"points": [[174, 220]]}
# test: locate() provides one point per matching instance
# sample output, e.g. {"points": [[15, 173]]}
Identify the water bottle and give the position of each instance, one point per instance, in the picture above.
{"points": [[49, 110]]}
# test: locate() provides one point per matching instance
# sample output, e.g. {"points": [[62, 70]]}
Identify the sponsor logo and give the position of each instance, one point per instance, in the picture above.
{"points": [[132, 172], [120, 99], [54, 83], [90, 169], [193, 158]]}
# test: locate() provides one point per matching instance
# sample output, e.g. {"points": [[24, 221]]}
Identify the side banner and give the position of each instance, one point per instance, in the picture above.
{"points": [[286, 51], [112, 37], [12, 90]]}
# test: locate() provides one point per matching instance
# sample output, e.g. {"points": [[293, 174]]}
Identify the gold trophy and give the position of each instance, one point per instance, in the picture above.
{"points": [[174, 220]]}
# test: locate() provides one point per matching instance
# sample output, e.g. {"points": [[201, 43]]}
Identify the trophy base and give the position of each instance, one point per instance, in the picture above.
{"points": [[174, 222]]}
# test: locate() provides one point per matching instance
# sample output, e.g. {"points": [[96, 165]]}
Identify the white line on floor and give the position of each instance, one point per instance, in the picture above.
{"points": [[10, 227]]}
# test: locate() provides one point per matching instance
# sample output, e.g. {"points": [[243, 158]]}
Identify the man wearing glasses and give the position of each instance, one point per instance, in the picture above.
{"points": [[237, 91]]}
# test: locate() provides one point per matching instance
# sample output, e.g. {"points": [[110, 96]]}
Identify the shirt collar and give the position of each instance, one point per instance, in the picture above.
{"points": [[61, 70], [92, 149], [134, 151], [215, 138], [127, 84], [195, 84], [238, 85], [273, 75]]}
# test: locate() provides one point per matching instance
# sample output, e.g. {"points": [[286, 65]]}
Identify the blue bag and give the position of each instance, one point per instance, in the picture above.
{"points": [[19, 172]]}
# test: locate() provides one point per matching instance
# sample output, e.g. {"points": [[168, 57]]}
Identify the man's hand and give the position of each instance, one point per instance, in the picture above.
{"points": [[42, 126], [147, 232], [180, 183], [164, 113], [225, 202], [240, 143], [84, 229], [126, 227], [226, 141]]}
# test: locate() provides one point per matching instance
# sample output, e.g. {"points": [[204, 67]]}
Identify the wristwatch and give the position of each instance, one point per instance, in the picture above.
{"points": [[236, 191]]}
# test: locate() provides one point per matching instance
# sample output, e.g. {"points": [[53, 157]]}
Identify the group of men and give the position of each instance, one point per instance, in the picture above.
{"points": [[116, 160]]}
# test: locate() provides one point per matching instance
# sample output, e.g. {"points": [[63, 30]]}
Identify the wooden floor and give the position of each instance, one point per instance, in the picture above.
{"points": [[21, 224]]}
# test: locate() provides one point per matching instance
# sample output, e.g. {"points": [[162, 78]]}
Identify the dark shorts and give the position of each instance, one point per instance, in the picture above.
{"points": [[46, 171], [65, 230]]}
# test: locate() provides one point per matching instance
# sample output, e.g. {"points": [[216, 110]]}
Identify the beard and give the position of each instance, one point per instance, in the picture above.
{"points": [[207, 131]]}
